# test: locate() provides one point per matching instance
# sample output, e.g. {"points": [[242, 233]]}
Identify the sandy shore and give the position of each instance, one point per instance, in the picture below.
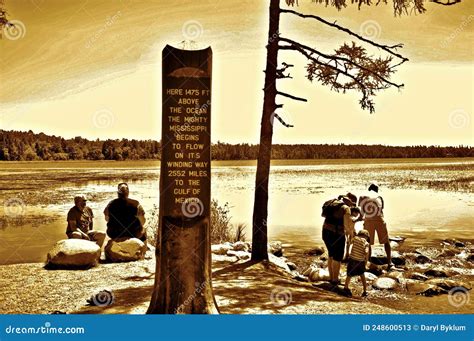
{"points": [[245, 287], [240, 288]]}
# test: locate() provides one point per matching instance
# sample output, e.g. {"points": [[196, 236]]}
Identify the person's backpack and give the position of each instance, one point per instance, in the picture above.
{"points": [[332, 209]]}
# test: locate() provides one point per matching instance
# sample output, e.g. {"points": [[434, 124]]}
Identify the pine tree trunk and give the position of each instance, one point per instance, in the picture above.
{"points": [[260, 209]]}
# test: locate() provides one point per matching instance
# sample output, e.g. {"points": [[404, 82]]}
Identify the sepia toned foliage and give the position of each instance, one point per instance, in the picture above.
{"points": [[27, 146]]}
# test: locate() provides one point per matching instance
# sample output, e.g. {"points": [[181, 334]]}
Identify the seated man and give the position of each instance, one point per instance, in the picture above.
{"points": [[125, 217], [80, 222]]}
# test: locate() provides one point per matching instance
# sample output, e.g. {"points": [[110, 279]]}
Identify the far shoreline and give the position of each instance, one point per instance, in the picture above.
{"points": [[154, 163]]}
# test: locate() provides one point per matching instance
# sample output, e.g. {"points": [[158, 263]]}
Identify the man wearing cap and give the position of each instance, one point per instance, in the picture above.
{"points": [[80, 222], [125, 217], [372, 209]]}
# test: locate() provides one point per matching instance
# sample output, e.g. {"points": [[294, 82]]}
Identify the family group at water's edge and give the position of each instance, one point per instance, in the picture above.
{"points": [[126, 218]]}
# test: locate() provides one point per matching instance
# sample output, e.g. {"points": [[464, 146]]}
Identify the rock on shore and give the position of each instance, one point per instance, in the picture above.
{"points": [[125, 250], [73, 253]]}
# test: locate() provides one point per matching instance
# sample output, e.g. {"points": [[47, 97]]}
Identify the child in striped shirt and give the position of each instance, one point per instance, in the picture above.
{"points": [[357, 260]]}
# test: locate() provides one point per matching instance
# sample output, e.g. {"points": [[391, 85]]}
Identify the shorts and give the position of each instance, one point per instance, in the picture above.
{"points": [[355, 267], [377, 225], [335, 243]]}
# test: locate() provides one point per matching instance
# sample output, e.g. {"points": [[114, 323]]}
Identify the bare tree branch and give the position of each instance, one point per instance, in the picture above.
{"points": [[447, 2], [284, 94], [386, 48], [280, 72], [281, 121]]}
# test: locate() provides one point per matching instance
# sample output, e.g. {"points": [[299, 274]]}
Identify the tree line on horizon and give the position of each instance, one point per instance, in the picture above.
{"points": [[29, 146]]}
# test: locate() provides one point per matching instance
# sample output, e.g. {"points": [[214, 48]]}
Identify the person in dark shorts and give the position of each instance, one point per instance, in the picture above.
{"points": [[372, 210], [80, 222], [357, 259], [334, 238], [125, 217]]}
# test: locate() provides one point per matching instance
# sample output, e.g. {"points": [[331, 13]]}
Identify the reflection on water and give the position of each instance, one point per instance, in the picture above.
{"points": [[413, 207]]}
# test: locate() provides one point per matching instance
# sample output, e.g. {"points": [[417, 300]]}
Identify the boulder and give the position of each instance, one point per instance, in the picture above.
{"points": [[397, 258], [125, 250], [436, 272], [449, 252], [422, 288], [279, 261], [240, 246], [73, 253], [463, 255], [309, 269], [300, 277], [379, 256], [239, 254], [370, 276], [428, 252], [418, 276], [422, 259], [454, 242], [455, 263], [317, 251], [221, 249], [275, 248], [396, 275], [397, 239], [150, 251], [394, 245], [317, 275], [448, 284], [385, 283], [375, 269]]}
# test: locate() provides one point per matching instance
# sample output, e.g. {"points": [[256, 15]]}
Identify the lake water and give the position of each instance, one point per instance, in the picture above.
{"points": [[426, 199]]}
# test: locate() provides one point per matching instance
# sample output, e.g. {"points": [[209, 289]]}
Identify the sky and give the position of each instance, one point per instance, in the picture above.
{"points": [[93, 69]]}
